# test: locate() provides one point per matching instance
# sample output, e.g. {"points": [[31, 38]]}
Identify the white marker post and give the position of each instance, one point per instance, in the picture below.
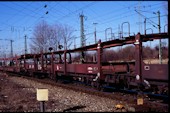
{"points": [[42, 96]]}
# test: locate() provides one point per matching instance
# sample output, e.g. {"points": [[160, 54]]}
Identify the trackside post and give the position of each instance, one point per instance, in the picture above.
{"points": [[42, 96]]}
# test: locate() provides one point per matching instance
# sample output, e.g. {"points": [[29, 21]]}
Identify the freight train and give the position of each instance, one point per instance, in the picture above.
{"points": [[60, 64]]}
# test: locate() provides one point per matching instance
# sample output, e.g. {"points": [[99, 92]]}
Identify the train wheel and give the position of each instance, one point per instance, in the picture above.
{"points": [[85, 81], [93, 84], [100, 84], [88, 81]]}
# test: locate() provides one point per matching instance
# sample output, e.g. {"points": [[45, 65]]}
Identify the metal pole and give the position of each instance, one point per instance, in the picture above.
{"points": [[82, 36], [95, 32], [145, 26], [11, 48], [42, 107], [160, 50], [82, 30], [25, 44]]}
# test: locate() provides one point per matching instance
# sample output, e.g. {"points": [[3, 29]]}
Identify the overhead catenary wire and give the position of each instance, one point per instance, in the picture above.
{"points": [[113, 19], [106, 21]]}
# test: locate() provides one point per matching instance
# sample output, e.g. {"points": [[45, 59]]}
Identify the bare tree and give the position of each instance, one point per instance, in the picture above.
{"points": [[66, 36], [147, 52], [45, 36], [54, 36], [40, 37], [128, 53]]}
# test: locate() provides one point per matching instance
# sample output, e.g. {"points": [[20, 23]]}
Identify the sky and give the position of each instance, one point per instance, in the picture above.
{"points": [[19, 18]]}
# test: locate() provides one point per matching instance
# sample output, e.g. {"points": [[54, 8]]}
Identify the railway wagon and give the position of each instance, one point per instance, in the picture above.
{"points": [[126, 74], [10, 65]]}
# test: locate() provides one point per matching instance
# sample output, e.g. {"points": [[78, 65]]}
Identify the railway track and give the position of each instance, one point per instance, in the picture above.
{"points": [[134, 74], [148, 105], [151, 96]]}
